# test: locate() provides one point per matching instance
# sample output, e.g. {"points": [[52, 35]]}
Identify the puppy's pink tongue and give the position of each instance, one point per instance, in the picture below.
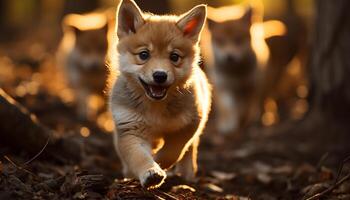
{"points": [[157, 91]]}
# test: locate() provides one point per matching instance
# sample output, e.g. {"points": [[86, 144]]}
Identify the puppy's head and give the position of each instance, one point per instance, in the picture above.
{"points": [[91, 47], [231, 39], [157, 53]]}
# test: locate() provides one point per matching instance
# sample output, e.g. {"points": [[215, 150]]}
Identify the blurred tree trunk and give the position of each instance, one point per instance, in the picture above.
{"points": [[330, 61], [2, 13], [2, 19]]}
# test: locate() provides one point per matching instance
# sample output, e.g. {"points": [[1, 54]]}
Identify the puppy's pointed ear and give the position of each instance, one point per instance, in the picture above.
{"points": [[129, 18], [191, 23], [75, 30], [248, 15], [211, 23]]}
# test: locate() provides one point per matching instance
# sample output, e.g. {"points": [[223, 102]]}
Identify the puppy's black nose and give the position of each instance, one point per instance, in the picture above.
{"points": [[230, 59], [95, 66], [159, 77]]}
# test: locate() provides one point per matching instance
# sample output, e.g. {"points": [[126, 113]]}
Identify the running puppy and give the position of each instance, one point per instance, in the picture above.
{"points": [[160, 98]]}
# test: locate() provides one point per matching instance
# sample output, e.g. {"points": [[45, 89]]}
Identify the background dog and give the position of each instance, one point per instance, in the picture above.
{"points": [[81, 56]]}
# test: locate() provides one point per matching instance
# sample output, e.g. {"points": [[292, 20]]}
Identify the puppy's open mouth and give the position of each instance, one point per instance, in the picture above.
{"points": [[156, 92]]}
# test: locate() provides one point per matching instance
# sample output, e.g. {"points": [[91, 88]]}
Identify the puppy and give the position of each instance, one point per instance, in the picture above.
{"points": [[160, 98], [81, 55], [235, 71]]}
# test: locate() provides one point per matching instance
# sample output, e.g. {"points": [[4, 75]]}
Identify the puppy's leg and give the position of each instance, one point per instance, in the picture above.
{"points": [[187, 166], [126, 172], [82, 100], [227, 113], [135, 152], [174, 146], [248, 111]]}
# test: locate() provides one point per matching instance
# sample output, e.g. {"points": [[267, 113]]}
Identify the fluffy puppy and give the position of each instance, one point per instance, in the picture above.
{"points": [[160, 98]]}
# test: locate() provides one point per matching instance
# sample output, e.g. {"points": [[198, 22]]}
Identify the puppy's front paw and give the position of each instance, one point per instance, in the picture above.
{"points": [[152, 178]]}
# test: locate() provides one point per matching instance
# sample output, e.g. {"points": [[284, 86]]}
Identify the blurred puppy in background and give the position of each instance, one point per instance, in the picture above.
{"points": [[234, 73], [160, 100], [81, 55]]}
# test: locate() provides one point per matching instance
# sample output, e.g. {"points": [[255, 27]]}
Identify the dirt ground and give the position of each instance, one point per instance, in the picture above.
{"points": [[291, 160]]}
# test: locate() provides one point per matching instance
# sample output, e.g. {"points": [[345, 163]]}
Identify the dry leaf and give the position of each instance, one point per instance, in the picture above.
{"points": [[344, 188], [213, 187], [176, 188], [264, 178], [285, 169], [234, 197], [223, 176], [325, 174], [262, 167], [304, 169], [315, 188]]}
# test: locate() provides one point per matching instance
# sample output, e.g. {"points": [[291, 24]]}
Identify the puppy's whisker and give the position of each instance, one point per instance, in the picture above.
{"points": [[178, 89]]}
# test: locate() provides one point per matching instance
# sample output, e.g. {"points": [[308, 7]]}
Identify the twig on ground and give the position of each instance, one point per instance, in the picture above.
{"points": [[330, 189], [21, 168], [168, 196], [336, 182], [347, 159], [40, 152]]}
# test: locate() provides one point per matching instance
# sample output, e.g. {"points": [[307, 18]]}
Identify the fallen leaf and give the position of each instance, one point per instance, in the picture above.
{"points": [[241, 153], [315, 188], [176, 188], [343, 196], [284, 169], [213, 187], [325, 174], [234, 197], [79, 195], [223, 176], [343, 188], [264, 178], [304, 169], [18, 184], [262, 167]]}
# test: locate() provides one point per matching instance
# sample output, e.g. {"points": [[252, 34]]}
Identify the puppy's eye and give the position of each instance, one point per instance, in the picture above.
{"points": [[175, 58], [144, 55]]}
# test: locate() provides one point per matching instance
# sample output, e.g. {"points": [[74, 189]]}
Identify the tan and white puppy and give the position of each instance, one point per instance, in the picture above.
{"points": [[160, 98], [82, 54], [234, 72]]}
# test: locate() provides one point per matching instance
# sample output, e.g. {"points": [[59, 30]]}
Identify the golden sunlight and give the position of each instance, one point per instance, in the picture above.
{"points": [[84, 131], [86, 22], [274, 28], [105, 122], [270, 115], [225, 13]]}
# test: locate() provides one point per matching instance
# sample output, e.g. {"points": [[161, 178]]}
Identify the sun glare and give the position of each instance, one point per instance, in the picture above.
{"points": [[86, 22], [225, 13]]}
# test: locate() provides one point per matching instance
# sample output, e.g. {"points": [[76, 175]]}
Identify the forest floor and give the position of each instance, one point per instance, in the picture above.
{"points": [[291, 160]]}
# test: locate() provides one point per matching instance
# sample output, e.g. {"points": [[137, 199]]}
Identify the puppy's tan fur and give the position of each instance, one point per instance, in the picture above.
{"points": [[153, 135]]}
